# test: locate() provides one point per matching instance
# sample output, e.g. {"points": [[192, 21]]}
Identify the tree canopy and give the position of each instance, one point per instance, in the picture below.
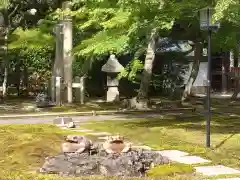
{"points": [[121, 27]]}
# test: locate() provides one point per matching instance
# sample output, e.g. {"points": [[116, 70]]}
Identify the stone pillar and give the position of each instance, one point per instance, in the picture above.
{"points": [[58, 62], [67, 52], [112, 68], [112, 84], [79, 89]]}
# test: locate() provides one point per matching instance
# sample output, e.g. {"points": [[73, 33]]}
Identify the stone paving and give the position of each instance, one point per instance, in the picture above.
{"points": [[216, 170]]}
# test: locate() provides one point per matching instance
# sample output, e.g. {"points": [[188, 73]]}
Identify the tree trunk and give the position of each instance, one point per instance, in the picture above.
{"points": [[148, 65], [18, 77], [4, 84], [236, 64], [195, 68], [25, 80], [236, 90]]}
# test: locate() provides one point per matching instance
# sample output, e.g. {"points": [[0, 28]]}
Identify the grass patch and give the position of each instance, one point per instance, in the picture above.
{"points": [[170, 170], [183, 133], [23, 149]]}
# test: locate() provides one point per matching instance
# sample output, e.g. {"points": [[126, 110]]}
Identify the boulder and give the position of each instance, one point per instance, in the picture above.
{"points": [[130, 164], [43, 100]]}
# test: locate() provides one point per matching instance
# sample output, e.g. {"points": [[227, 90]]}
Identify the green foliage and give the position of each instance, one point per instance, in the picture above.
{"points": [[31, 54], [131, 71], [31, 39], [4, 4], [120, 28], [170, 169]]}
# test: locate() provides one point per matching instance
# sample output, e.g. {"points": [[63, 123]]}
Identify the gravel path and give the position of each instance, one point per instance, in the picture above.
{"points": [[78, 119]]}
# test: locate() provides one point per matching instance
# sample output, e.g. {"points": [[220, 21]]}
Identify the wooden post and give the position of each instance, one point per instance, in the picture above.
{"points": [[58, 91]]}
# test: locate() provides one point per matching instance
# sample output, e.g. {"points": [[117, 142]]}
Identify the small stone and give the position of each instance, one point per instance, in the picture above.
{"points": [[71, 125]]}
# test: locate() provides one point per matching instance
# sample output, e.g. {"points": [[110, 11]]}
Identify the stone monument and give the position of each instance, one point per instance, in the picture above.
{"points": [[112, 68]]}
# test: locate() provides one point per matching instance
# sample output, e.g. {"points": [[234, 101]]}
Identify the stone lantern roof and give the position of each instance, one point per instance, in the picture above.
{"points": [[112, 65]]}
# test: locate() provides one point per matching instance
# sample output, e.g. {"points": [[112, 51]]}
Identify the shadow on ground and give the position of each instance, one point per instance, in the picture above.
{"points": [[219, 124]]}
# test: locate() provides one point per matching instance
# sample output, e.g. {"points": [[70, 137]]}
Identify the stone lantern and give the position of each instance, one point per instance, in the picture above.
{"points": [[112, 68]]}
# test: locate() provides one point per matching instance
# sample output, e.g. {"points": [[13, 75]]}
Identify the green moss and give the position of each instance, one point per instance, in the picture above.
{"points": [[24, 147], [170, 169], [27, 176]]}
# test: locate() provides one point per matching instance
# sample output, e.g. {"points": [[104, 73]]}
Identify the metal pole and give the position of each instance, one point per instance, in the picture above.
{"points": [[208, 91]]}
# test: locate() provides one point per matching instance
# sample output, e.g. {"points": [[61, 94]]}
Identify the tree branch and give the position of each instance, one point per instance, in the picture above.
{"points": [[15, 9]]}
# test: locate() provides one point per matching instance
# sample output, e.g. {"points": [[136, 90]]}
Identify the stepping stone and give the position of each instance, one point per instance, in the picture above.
{"points": [[189, 159], [172, 153], [99, 134], [216, 170]]}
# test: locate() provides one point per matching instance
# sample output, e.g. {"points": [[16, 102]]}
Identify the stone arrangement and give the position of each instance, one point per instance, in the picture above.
{"points": [[81, 157]]}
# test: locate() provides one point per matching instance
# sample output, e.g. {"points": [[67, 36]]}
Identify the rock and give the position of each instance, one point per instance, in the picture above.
{"points": [[62, 121], [71, 164], [75, 138], [116, 144], [71, 125], [77, 144], [43, 100], [134, 103], [131, 164], [73, 147], [81, 157]]}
